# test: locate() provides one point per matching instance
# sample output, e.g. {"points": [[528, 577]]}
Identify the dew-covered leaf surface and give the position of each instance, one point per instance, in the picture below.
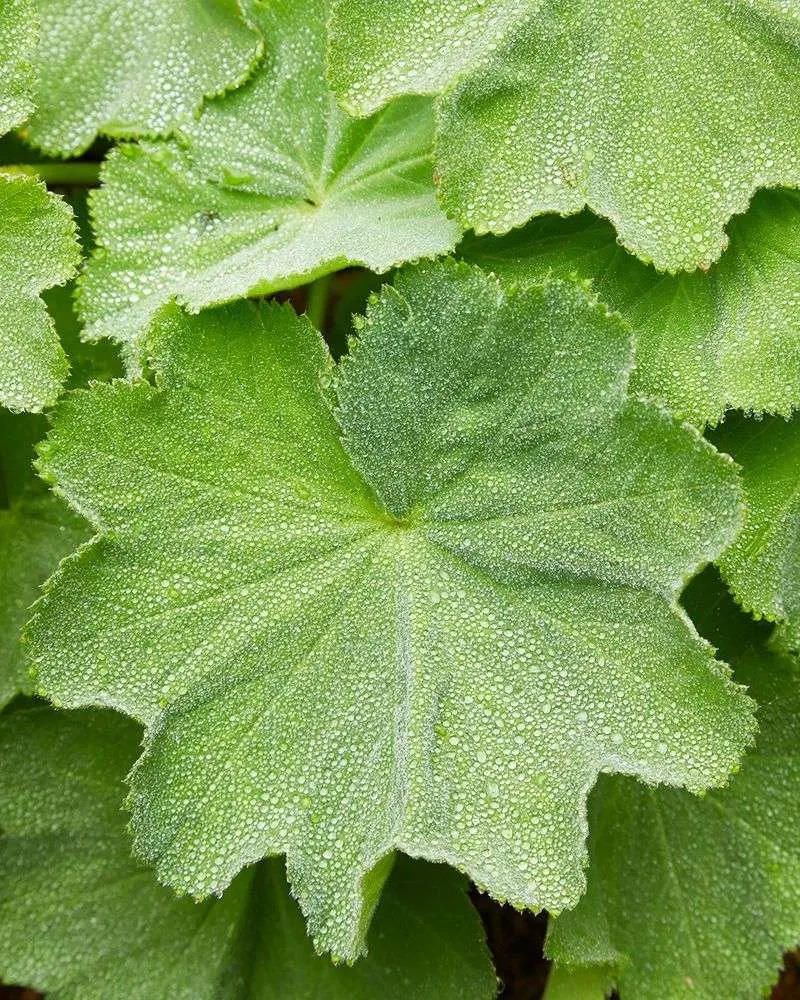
{"points": [[17, 40], [272, 187], [661, 115], [762, 567], [36, 531], [38, 249], [415, 603], [82, 920], [133, 67], [698, 897], [704, 341]]}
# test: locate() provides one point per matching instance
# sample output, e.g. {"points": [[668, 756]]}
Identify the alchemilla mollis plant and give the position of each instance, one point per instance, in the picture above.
{"points": [[399, 496]]}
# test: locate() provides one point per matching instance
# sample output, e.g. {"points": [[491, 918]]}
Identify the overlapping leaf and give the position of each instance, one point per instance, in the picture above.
{"points": [[274, 187], [82, 920], [36, 531], [590, 982], [17, 40], [435, 653], [762, 567], [661, 115], [704, 342], [36, 528], [698, 897], [133, 67], [38, 249]]}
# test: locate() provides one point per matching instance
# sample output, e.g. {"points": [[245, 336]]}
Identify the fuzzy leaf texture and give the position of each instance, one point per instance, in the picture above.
{"points": [[133, 67], [662, 115], [273, 187], [17, 40], [36, 531], [692, 897], [591, 982], [82, 920], [762, 567], [425, 623], [38, 249], [704, 341]]}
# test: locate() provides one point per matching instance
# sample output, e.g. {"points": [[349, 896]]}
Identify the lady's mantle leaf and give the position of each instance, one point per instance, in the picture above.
{"points": [[704, 342], [77, 913], [38, 249], [429, 633], [662, 115], [274, 186], [698, 897], [36, 531], [133, 67], [762, 567], [591, 982], [17, 39]]}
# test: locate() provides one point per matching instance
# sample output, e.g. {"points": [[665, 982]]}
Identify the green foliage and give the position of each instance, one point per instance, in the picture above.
{"points": [[38, 249], [705, 341], [36, 531], [489, 498], [18, 37], [661, 115], [107, 929], [441, 580], [762, 567], [590, 982], [270, 187], [133, 67], [675, 881]]}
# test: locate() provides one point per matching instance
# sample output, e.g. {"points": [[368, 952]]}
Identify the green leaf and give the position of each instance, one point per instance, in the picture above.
{"points": [[427, 628], [38, 249], [18, 37], [697, 896], [663, 115], [704, 342], [82, 920], [88, 360], [131, 68], [273, 187], [352, 298], [762, 567], [718, 618], [36, 531], [593, 982]]}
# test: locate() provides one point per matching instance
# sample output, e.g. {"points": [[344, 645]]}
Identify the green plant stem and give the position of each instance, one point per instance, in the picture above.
{"points": [[318, 295], [58, 174]]}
